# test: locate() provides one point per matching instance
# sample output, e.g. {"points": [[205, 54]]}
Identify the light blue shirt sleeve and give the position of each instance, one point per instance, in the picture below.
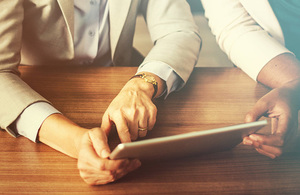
{"points": [[31, 119], [165, 72]]}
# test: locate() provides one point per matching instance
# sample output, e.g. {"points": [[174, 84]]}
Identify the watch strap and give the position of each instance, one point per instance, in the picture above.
{"points": [[144, 77]]}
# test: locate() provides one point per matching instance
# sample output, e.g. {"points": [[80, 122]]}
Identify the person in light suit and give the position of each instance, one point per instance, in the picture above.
{"points": [[94, 32], [262, 38]]}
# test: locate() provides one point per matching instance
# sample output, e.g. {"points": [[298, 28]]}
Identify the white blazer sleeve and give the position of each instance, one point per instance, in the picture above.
{"points": [[246, 43]]}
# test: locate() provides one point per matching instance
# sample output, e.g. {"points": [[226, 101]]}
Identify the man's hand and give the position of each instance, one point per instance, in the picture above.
{"points": [[281, 105], [93, 163], [132, 109]]}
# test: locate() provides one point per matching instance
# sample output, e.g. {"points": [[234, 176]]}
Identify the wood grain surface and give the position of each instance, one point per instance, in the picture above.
{"points": [[213, 97]]}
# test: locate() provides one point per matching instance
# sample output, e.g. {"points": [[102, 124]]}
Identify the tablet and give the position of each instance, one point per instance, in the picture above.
{"points": [[187, 144]]}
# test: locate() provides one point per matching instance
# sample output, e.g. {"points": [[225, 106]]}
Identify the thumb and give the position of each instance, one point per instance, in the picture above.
{"points": [[99, 141], [259, 110]]}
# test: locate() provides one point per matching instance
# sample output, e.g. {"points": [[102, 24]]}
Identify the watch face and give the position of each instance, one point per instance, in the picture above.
{"points": [[149, 79]]}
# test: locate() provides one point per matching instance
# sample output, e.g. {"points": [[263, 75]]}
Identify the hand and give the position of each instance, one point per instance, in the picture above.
{"points": [[281, 105], [93, 163], [130, 110]]}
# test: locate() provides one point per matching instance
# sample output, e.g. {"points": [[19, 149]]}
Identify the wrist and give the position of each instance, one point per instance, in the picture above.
{"points": [[279, 71], [149, 79], [62, 134], [292, 90], [139, 85], [150, 83]]}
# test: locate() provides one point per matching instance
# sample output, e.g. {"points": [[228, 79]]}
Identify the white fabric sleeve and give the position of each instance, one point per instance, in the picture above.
{"points": [[31, 119], [245, 42], [165, 72]]}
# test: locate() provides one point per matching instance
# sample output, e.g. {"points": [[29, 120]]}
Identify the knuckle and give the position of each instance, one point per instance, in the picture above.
{"points": [[250, 117], [111, 177], [80, 166], [101, 166], [152, 107], [86, 178], [117, 112], [132, 113], [142, 109]]}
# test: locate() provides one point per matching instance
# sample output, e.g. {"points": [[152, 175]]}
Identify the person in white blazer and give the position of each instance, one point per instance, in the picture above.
{"points": [[249, 32]]}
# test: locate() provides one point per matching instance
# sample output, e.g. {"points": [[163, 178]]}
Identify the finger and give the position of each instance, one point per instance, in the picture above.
{"points": [[143, 125], [99, 142], [259, 109], [247, 141], [88, 160], [276, 151], [142, 133], [271, 140], [270, 146], [93, 163], [91, 173], [98, 178], [106, 123], [87, 155], [104, 181], [265, 153], [133, 126], [152, 117], [133, 166], [122, 127], [113, 165]]}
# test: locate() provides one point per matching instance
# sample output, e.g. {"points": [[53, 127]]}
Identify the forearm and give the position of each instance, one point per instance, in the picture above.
{"points": [[280, 70], [282, 74], [62, 134]]}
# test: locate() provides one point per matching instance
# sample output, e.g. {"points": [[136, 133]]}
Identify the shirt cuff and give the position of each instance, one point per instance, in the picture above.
{"points": [[165, 72], [31, 119]]}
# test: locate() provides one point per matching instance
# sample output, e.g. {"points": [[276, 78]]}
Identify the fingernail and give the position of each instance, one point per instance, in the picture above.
{"points": [[247, 142], [105, 153]]}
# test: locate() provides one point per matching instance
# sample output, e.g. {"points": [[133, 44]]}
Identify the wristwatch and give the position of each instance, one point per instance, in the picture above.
{"points": [[149, 79]]}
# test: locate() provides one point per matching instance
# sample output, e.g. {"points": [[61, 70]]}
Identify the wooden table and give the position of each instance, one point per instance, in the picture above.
{"points": [[213, 97]]}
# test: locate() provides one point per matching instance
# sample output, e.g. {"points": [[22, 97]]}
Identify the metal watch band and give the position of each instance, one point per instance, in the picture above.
{"points": [[146, 79]]}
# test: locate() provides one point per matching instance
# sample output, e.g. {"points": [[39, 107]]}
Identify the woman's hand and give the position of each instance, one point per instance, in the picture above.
{"points": [[94, 164]]}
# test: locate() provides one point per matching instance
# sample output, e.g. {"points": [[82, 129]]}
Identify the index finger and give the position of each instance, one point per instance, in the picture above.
{"points": [[259, 110], [122, 127]]}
